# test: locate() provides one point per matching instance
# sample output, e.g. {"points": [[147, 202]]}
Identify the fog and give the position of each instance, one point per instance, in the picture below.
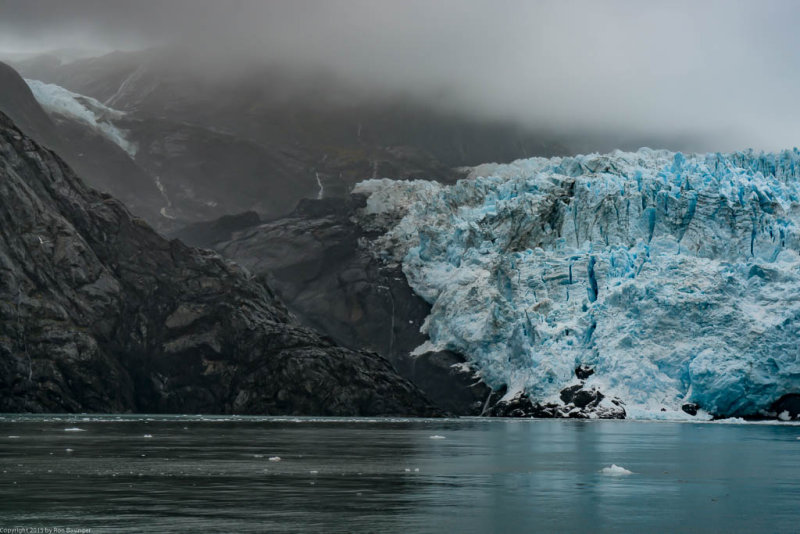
{"points": [[720, 75]]}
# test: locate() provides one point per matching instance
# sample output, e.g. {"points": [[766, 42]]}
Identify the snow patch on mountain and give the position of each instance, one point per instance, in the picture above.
{"points": [[55, 99], [676, 277]]}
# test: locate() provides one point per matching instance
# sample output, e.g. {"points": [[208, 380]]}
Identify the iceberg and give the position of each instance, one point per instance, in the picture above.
{"points": [[676, 277], [615, 470]]}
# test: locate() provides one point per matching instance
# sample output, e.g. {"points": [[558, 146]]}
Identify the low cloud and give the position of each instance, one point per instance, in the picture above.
{"points": [[714, 75]]}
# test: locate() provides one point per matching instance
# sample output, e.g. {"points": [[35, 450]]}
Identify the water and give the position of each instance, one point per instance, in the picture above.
{"points": [[199, 474]]}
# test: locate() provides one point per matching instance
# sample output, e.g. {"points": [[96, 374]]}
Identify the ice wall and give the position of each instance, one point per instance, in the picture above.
{"points": [[676, 277]]}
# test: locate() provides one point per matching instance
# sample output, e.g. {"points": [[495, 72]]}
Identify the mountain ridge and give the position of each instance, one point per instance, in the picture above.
{"points": [[101, 313]]}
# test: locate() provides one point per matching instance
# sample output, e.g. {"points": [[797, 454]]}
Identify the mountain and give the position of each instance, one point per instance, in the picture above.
{"points": [[100, 313], [262, 137], [667, 280], [87, 149]]}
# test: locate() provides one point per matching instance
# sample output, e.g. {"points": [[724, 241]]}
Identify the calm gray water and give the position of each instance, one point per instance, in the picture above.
{"points": [[205, 475]]}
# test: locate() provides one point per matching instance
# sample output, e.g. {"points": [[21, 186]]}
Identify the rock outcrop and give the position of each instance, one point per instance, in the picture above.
{"points": [[100, 313]]}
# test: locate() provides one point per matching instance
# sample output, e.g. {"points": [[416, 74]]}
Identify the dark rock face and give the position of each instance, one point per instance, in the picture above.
{"points": [[787, 407], [18, 102], [100, 313], [449, 382], [205, 173], [218, 230], [583, 372], [568, 393], [691, 408], [317, 261]]}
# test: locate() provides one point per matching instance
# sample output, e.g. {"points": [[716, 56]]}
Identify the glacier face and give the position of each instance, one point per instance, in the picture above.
{"points": [[56, 99], [676, 277]]}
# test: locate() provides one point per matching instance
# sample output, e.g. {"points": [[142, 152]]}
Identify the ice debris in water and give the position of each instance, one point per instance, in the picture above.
{"points": [[148, 436], [74, 429], [437, 436], [13, 437], [274, 458], [69, 450], [675, 277], [615, 471]]}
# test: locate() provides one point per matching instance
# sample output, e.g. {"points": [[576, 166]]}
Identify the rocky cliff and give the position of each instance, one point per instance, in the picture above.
{"points": [[100, 313]]}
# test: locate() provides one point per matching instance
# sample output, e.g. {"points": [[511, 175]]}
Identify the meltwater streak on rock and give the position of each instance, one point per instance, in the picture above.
{"points": [[675, 277], [100, 313]]}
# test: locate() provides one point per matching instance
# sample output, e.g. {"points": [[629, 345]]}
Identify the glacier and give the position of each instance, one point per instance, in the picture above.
{"points": [[676, 277], [55, 99]]}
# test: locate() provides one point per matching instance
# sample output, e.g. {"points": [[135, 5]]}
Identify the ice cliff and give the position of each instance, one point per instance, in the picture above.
{"points": [[676, 277]]}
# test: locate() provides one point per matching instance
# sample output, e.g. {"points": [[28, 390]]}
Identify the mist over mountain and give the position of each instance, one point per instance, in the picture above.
{"points": [[260, 139], [714, 76]]}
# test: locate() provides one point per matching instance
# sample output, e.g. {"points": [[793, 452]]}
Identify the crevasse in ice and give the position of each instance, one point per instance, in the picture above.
{"points": [[676, 277]]}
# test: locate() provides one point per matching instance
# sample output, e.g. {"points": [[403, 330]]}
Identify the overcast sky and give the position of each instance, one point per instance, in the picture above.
{"points": [[723, 72]]}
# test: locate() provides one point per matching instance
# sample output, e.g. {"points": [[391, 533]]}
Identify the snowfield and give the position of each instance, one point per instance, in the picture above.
{"points": [[675, 277], [55, 99]]}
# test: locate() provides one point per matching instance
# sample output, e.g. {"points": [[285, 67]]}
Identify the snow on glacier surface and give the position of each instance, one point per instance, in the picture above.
{"points": [[676, 277], [56, 99]]}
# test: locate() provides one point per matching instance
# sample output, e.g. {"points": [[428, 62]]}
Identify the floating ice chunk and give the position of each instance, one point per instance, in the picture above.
{"points": [[13, 437], [615, 471], [416, 469], [69, 450], [258, 456], [74, 429], [785, 416], [274, 458], [148, 436], [437, 436], [407, 469], [731, 421], [313, 471]]}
